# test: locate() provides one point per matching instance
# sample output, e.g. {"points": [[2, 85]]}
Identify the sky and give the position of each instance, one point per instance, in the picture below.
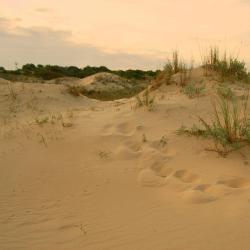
{"points": [[120, 34]]}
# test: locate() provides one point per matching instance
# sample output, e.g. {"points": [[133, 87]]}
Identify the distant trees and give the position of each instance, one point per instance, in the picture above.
{"points": [[2, 70], [47, 72]]}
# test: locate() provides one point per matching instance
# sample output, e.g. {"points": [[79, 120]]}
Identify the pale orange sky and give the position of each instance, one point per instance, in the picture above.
{"points": [[120, 33]]}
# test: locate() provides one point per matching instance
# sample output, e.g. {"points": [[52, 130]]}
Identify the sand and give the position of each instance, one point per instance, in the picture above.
{"points": [[78, 173]]}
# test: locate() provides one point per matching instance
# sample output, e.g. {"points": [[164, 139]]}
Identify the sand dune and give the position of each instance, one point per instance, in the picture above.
{"points": [[116, 177]]}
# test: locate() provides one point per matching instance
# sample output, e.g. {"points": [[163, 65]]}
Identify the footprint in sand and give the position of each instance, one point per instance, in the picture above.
{"points": [[125, 153], [107, 129], [134, 145], [125, 128], [186, 176], [197, 196], [161, 169], [204, 193], [148, 178], [235, 182]]}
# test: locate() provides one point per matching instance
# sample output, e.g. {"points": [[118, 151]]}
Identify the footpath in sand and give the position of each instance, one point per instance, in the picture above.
{"points": [[82, 174]]}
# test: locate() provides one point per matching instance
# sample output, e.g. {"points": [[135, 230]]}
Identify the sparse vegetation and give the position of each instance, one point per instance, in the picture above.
{"points": [[145, 100], [227, 67], [230, 127], [174, 66], [105, 155], [163, 141], [144, 138], [13, 94], [193, 91], [42, 120], [225, 92], [106, 95], [31, 72]]}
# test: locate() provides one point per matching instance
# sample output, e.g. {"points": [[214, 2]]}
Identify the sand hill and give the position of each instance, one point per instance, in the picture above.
{"points": [[78, 173]]}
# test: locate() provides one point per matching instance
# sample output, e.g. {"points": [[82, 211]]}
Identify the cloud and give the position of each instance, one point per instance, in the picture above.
{"points": [[41, 45]]}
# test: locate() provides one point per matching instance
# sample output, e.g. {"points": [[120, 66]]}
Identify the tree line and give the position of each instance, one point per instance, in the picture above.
{"points": [[48, 72]]}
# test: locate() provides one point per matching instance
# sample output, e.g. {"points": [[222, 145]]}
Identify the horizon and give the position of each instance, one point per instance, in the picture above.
{"points": [[99, 33]]}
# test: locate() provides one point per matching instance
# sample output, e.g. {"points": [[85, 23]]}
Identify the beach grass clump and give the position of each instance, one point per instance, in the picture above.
{"points": [[174, 66], [230, 125], [228, 67]]}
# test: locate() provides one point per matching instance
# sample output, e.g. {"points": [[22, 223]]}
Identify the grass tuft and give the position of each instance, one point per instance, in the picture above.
{"points": [[230, 126], [145, 100]]}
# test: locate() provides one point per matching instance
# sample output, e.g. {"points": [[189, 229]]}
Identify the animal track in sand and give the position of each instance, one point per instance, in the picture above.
{"points": [[197, 196], [236, 182], [161, 169], [124, 128], [126, 153], [186, 176], [202, 187], [134, 145], [148, 178]]}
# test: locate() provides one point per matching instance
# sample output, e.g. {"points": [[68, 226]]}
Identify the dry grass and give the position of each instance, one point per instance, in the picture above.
{"points": [[230, 126], [146, 100], [228, 67]]}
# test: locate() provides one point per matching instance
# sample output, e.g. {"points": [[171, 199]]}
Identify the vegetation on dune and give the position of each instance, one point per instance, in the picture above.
{"points": [[48, 72], [145, 100], [227, 66], [193, 91], [106, 95], [176, 65], [230, 126]]}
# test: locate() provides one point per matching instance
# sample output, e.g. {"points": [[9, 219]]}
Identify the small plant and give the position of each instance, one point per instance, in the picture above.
{"points": [[43, 140], [194, 131], [74, 90], [105, 155], [225, 92], [230, 127], [146, 100], [163, 141], [12, 92], [42, 120], [144, 138], [193, 91]]}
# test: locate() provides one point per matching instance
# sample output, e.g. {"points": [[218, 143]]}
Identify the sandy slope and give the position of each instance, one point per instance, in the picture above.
{"points": [[116, 178]]}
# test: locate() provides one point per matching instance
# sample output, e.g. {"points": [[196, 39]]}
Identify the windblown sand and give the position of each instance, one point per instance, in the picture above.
{"points": [[82, 174]]}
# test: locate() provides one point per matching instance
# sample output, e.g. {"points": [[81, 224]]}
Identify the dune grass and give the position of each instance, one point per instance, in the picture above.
{"points": [[146, 100], [228, 67], [172, 67], [230, 125]]}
